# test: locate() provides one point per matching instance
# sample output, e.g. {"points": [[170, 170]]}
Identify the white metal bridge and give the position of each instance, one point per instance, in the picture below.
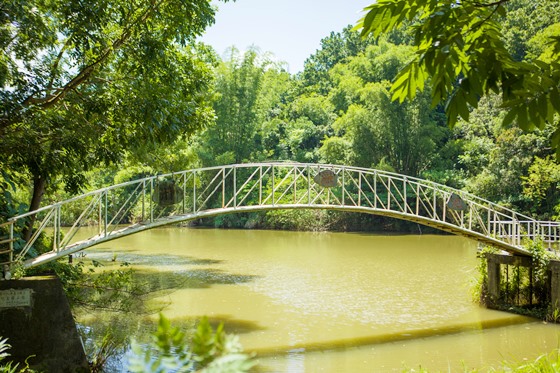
{"points": [[155, 201]]}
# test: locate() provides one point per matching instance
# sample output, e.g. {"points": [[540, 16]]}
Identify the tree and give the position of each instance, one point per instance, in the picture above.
{"points": [[238, 85], [83, 82], [461, 54], [334, 49]]}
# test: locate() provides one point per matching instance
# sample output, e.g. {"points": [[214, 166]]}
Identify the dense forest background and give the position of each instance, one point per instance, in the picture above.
{"points": [[247, 107]]}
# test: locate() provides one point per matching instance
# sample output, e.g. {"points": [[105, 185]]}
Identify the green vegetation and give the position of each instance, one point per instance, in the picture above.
{"points": [[523, 285], [208, 351], [9, 367], [100, 92], [91, 119], [468, 49]]}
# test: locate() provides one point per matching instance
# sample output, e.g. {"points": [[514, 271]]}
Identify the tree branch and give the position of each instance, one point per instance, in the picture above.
{"points": [[51, 100]]}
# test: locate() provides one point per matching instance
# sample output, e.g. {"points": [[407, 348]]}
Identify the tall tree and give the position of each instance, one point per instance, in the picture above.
{"points": [[461, 54], [81, 82], [238, 84]]}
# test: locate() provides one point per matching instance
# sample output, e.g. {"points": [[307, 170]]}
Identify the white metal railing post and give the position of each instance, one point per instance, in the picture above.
{"points": [[56, 237], [105, 218], [405, 181], [343, 186], [260, 184], [295, 185], [359, 188], [375, 197], [11, 243], [444, 207], [194, 192], [389, 192], [273, 186], [308, 185], [184, 192], [234, 186], [434, 192], [223, 187], [143, 200], [100, 214], [151, 200], [417, 199]]}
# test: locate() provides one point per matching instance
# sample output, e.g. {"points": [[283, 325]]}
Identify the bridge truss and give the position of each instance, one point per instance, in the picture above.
{"points": [[160, 200]]}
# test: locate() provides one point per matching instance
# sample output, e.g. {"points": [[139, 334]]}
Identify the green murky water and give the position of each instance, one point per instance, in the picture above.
{"points": [[333, 302]]}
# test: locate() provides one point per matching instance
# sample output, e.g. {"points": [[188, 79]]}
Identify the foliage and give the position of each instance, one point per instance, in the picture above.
{"points": [[541, 258], [210, 351], [461, 55], [9, 367], [81, 83], [540, 186]]}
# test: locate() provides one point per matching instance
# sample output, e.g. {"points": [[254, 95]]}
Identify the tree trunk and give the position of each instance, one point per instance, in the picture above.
{"points": [[39, 184]]}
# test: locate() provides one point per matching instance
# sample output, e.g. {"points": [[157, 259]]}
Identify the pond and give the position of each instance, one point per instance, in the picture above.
{"points": [[332, 302]]}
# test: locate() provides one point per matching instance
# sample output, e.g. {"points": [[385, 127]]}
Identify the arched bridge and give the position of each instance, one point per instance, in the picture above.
{"points": [[155, 201]]}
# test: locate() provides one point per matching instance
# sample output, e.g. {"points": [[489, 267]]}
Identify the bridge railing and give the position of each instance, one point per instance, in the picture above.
{"points": [[192, 194]]}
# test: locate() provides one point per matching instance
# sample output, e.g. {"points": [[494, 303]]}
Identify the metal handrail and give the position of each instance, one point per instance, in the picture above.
{"points": [[279, 185]]}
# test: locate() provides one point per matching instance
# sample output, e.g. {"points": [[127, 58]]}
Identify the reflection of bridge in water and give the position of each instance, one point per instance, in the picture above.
{"points": [[155, 201]]}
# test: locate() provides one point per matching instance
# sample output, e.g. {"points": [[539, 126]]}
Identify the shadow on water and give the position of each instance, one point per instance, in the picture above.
{"points": [[149, 259], [188, 279], [378, 339]]}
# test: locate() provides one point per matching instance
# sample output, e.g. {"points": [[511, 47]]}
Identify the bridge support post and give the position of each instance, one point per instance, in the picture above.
{"points": [[493, 270], [555, 285]]}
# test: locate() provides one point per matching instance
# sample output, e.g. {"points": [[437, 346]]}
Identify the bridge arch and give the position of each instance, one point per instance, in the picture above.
{"points": [[160, 200]]}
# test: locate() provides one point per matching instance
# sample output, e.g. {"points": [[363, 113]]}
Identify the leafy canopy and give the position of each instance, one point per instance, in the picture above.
{"points": [[85, 82], [461, 53]]}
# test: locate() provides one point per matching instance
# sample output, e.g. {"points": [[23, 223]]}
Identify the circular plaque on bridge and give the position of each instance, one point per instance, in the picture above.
{"points": [[326, 178], [456, 203], [166, 193]]}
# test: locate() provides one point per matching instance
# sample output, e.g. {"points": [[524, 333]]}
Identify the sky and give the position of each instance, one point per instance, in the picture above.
{"points": [[291, 29]]}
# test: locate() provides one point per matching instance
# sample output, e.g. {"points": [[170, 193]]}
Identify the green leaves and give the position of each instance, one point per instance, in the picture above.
{"points": [[209, 351], [461, 55]]}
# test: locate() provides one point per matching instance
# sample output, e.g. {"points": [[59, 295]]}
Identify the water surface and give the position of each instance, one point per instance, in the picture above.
{"points": [[334, 302]]}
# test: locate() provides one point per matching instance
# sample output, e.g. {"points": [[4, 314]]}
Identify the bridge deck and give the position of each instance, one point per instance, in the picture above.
{"points": [[138, 205]]}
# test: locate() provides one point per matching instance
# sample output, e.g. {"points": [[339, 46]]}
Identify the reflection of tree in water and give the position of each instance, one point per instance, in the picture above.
{"points": [[137, 258], [189, 279], [107, 335], [106, 332]]}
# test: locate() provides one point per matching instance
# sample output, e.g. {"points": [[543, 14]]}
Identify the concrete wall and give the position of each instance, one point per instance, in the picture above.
{"points": [[43, 327]]}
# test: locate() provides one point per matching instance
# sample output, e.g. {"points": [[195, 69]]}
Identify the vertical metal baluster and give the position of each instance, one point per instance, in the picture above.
{"points": [[406, 209], [184, 192], [143, 200], [359, 188], [375, 189], [106, 202], [223, 187], [444, 213], [273, 185], [194, 192], [389, 193], [343, 185], [11, 242], [295, 185], [152, 200], [308, 185], [260, 184], [234, 186], [435, 217]]}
